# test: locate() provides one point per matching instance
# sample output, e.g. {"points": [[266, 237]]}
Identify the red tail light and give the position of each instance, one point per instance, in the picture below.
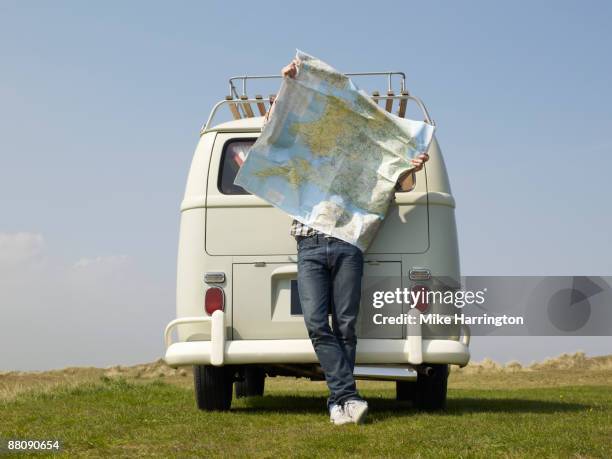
{"points": [[214, 300], [421, 300]]}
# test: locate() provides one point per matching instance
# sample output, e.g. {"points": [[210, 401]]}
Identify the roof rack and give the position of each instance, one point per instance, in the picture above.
{"points": [[241, 106]]}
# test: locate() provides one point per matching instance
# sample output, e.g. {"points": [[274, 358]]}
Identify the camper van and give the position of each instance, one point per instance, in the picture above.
{"points": [[239, 318]]}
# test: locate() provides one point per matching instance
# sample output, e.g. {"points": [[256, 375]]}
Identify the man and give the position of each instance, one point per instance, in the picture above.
{"points": [[330, 272]]}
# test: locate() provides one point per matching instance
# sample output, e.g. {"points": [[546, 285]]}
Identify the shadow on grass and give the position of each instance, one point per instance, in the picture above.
{"points": [[384, 408], [510, 405]]}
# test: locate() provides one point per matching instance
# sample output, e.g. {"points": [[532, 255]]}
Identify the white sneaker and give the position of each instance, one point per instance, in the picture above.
{"points": [[338, 416], [356, 410]]}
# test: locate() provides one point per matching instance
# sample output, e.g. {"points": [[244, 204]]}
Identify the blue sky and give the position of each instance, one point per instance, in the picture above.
{"points": [[101, 105]]}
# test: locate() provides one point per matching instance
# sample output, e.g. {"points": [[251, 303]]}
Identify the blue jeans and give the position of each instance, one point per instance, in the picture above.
{"points": [[330, 271]]}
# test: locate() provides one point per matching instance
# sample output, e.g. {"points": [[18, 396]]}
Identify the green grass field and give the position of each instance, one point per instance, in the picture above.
{"points": [[552, 412]]}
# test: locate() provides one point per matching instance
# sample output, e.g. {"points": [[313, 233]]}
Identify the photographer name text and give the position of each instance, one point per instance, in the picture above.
{"points": [[447, 319]]}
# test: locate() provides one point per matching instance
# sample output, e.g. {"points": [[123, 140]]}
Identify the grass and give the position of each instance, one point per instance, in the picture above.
{"points": [[489, 414]]}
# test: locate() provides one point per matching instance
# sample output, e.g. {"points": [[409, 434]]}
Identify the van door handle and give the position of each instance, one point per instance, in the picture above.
{"points": [[285, 270]]}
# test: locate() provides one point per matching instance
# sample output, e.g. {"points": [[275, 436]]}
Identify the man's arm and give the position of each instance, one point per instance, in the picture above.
{"points": [[407, 181], [290, 70], [270, 110]]}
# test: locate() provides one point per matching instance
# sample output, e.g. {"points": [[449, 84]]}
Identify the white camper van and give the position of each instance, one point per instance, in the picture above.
{"points": [[238, 313]]}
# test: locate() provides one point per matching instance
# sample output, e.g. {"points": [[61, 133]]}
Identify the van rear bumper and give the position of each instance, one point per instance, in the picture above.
{"points": [[219, 351], [369, 351]]}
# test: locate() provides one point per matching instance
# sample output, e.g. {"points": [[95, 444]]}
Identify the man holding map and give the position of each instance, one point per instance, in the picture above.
{"points": [[319, 159]]}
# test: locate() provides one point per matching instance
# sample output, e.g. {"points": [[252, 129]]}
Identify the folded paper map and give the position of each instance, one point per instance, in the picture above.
{"points": [[330, 156]]}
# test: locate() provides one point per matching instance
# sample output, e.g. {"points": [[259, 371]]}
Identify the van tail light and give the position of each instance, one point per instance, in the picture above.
{"points": [[420, 293], [214, 300]]}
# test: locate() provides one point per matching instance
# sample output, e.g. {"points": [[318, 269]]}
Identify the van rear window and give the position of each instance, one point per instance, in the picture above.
{"points": [[234, 154]]}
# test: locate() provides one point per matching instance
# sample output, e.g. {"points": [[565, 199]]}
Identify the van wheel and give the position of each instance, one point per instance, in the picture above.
{"points": [[405, 391], [431, 390], [213, 387], [253, 383]]}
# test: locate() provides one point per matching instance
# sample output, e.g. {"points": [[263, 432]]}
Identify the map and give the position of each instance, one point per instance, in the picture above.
{"points": [[329, 156]]}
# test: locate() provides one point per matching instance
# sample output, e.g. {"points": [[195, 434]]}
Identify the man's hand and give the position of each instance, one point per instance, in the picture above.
{"points": [[419, 161], [291, 69]]}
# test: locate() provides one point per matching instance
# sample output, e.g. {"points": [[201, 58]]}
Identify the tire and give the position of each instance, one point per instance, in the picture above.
{"points": [[431, 390], [213, 387], [405, 391], [253, 383]]}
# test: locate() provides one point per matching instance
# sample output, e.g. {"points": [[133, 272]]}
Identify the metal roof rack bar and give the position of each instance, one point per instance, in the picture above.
{"points": [[244, 78]]}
